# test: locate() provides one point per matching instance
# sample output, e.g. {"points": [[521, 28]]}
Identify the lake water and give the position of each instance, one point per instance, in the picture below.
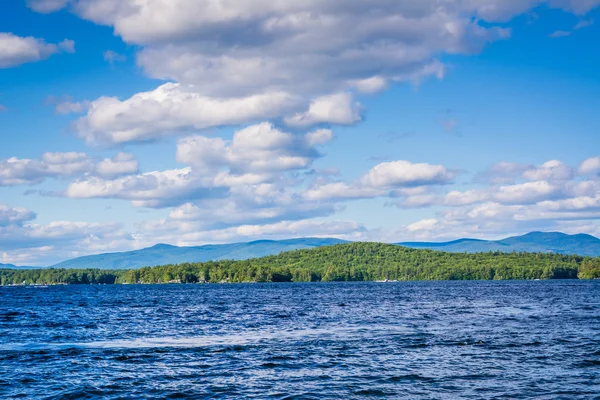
{"points": [[420, 340]]}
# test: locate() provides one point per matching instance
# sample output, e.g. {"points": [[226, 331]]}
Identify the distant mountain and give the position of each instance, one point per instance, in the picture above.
{"points": [[10, 266], [162, 254], [534, 242]]}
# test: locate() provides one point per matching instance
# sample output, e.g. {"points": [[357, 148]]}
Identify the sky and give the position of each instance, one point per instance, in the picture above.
{"points": [[126, 123]]}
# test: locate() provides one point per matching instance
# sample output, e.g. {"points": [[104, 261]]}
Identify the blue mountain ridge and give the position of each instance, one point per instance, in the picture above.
{"points": [[161, 254], [11, 266], [534, 242]]}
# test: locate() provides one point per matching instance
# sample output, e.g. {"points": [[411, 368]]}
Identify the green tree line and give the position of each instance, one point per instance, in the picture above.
{"points": [[344, 262]]}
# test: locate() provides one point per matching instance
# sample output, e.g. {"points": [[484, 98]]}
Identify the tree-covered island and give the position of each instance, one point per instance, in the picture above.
{"points": [[344, 262]]}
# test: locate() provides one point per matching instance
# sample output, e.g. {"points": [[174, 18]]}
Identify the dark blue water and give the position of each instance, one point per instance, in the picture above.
{"points": [[429, 340]]}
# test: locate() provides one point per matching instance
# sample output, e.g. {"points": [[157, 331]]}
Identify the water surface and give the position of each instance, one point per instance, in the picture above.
{"points": [[421, 340]]}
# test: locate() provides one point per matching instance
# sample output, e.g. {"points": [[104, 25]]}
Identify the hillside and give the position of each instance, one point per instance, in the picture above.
{"points": [[11, 266], [342, 262], [534, 242], [162, 254]]}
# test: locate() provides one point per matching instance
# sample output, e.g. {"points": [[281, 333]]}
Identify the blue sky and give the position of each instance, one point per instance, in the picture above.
{"points": [[128, 123]]}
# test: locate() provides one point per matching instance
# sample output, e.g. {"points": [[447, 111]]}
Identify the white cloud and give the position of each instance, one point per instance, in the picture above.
{"points": [[584, 203], [257, 148], [591, 166], [395, 178], [112, 57], [406, 174], [46, 6], [68, 107], [319, 137], [576, 6], [423, 225], [236, 62], [506, 172], [493, 219], [14, 216], [502, 172], [23, 241], [16, 50], [557, 183], [560, 33], [67, 45], [172, 109], [65, 105], [370, 85], [152, 189], [341, 190], [256, 155], [550, 170], [250, 204], [525, 193], [121, 164], [339, 109], [15, 171]]}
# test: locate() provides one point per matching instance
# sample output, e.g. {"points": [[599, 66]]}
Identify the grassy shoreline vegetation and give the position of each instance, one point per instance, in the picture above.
{"points": [[344, 262]]}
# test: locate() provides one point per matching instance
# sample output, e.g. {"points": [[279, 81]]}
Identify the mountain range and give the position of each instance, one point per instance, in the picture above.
{"points": [[534, 242], [11, 266], [162, 254]]}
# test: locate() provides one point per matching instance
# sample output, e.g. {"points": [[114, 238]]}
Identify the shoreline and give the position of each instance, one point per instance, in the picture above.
{"points": [[47, 285]]}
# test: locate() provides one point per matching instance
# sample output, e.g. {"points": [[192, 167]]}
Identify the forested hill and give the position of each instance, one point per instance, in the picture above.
{"points": [[344, 262]]}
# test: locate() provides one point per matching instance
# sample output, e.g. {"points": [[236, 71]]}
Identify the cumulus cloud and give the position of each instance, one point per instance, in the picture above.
{"points": [[16, 50], [15, 171], [339, 109], [257, 148], [556, 181], [493, 219], [502, 172], [370, 85], [525, 193], [550, 170], [23, 241], [507, 172], [237, 50], [235, 62], [121, 164], [385, 179], [257, 154], [172, 109], [152, 189], [14, 216], [404, 173], [591, 166], [559, 201]]}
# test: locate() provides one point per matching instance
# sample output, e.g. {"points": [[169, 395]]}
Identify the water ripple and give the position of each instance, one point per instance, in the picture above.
{"points": [[442, 340]]}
